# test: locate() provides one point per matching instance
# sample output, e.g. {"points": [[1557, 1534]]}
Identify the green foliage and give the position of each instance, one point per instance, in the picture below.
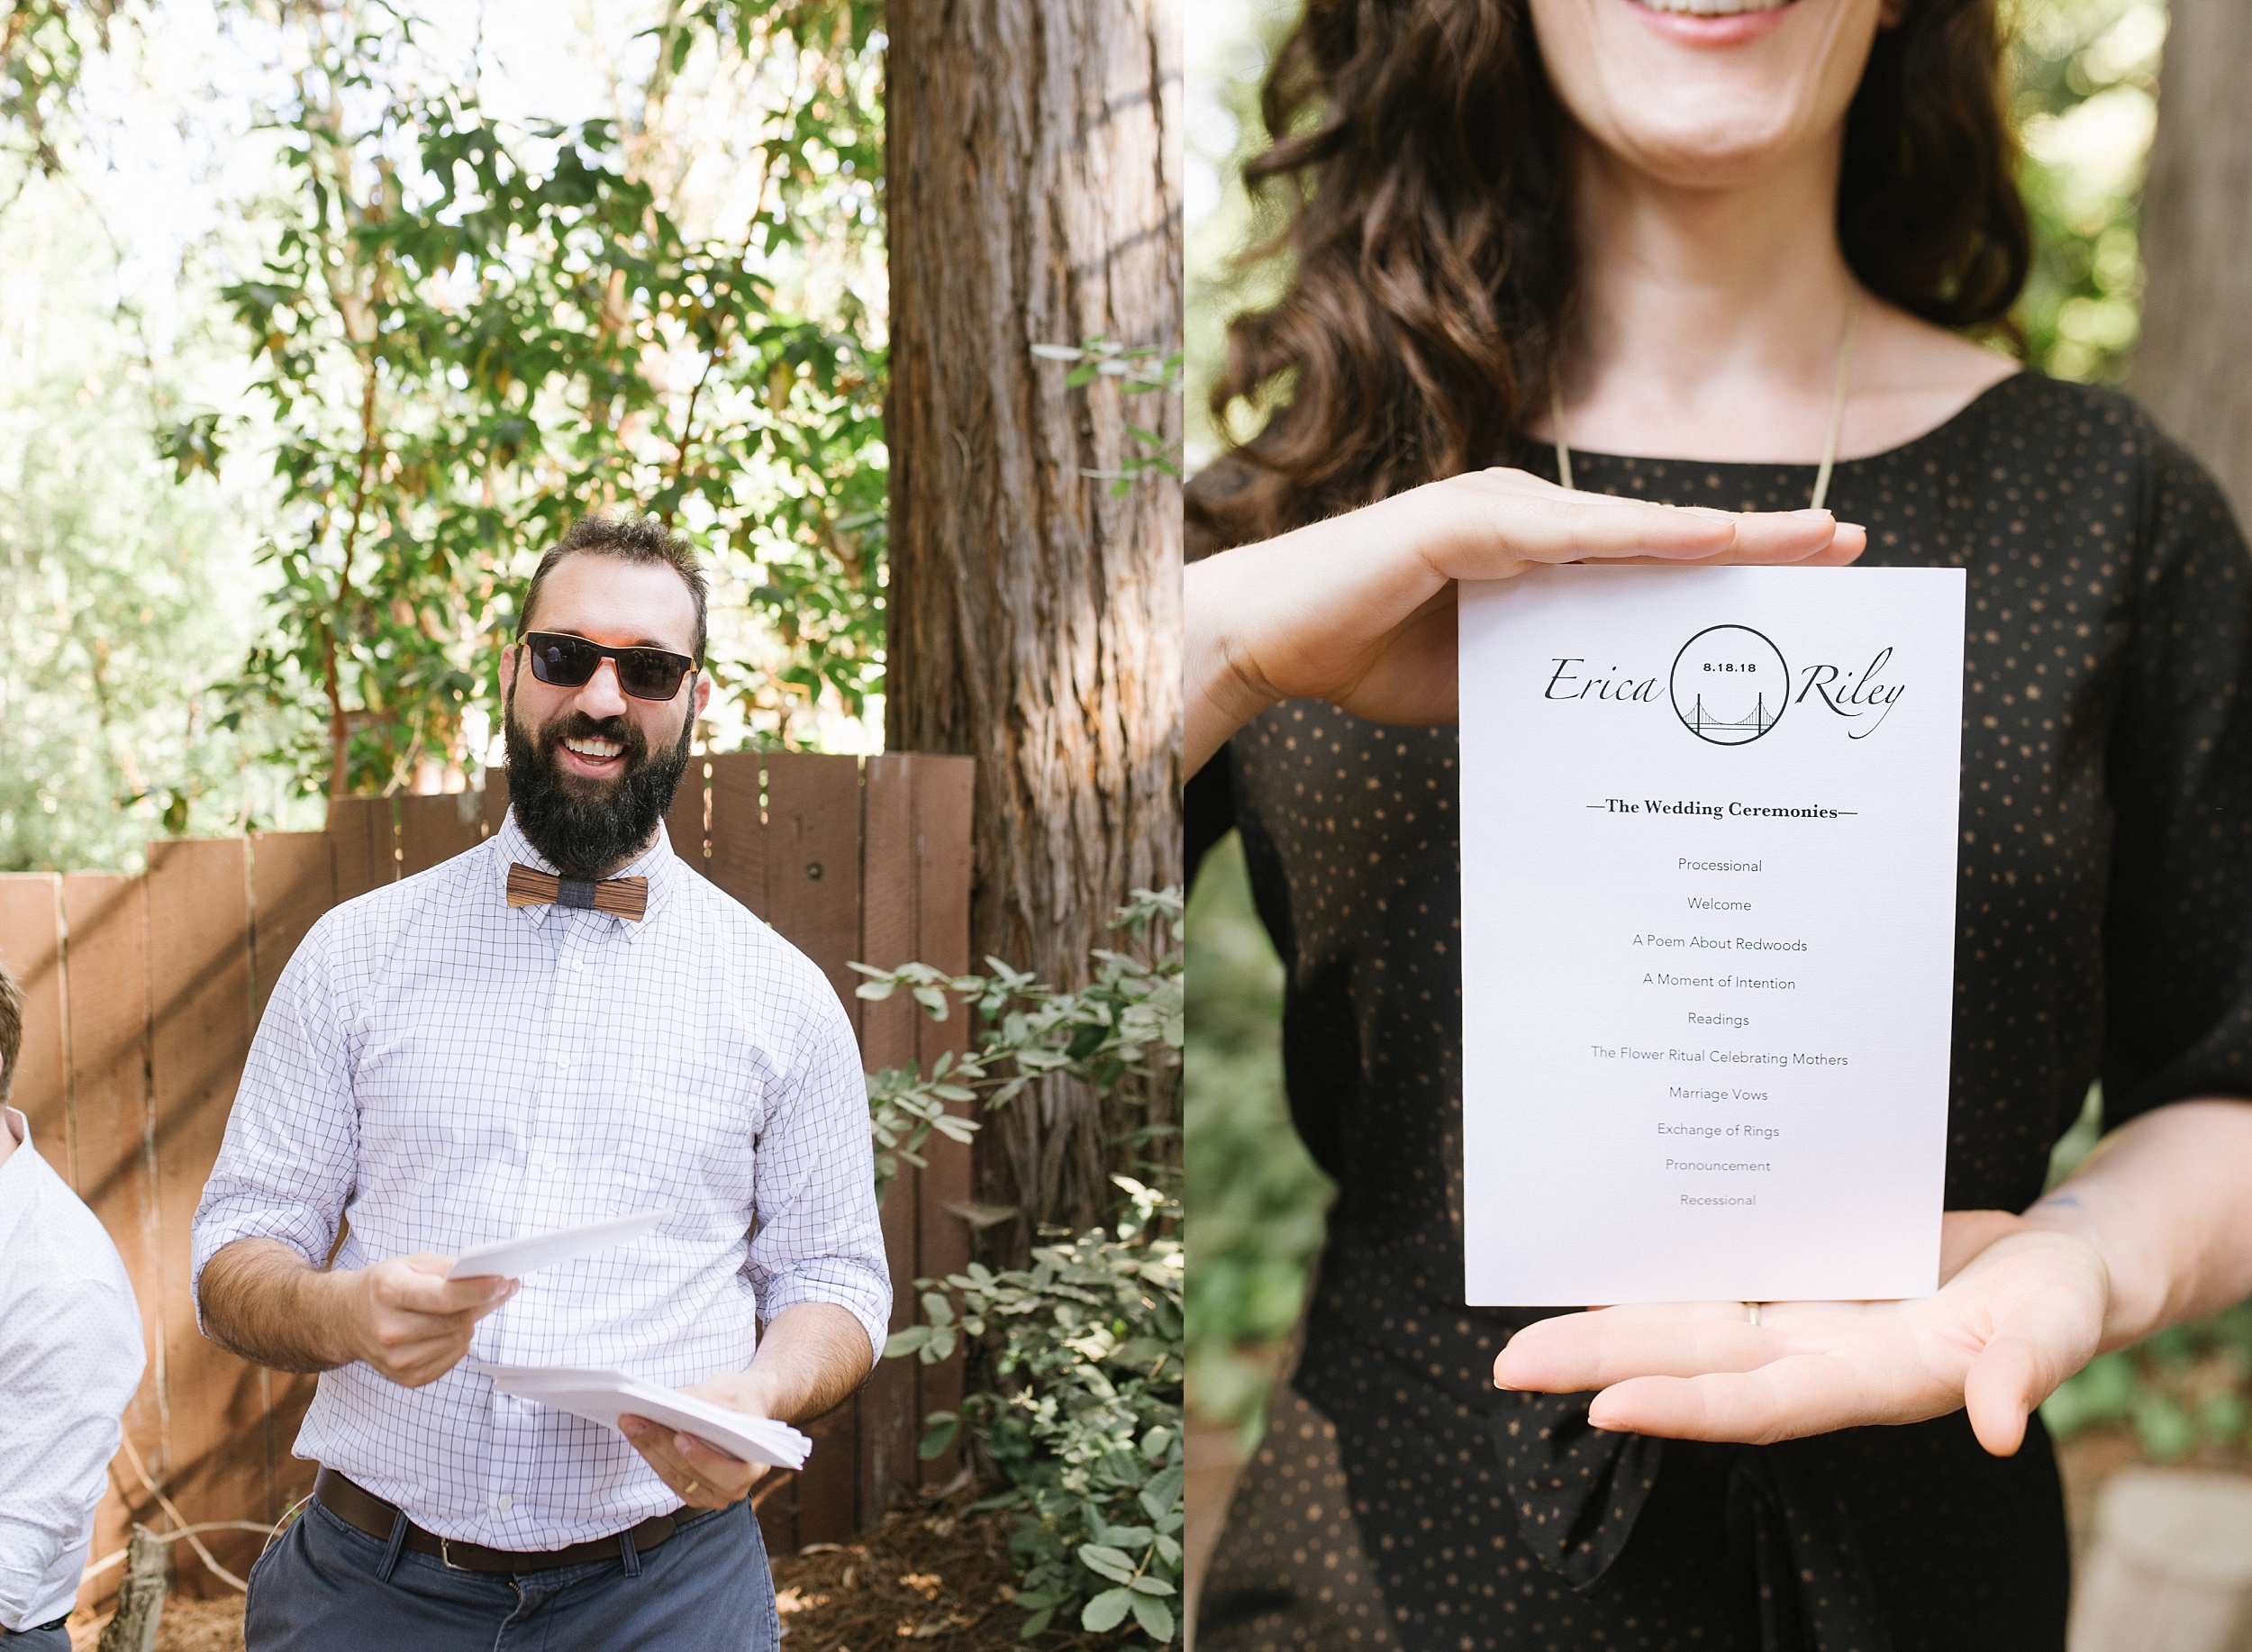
{"points": [[1075, 1394], [2181, 1390], [1254, 1197], [1124, 1024], [123, 602], [1082, 1416], [44, 45], [2086, 104], [471, 334]]}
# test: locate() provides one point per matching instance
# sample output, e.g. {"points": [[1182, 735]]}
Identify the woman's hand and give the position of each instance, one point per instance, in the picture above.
{"points": [[1359, 609], [2021, 1309]]}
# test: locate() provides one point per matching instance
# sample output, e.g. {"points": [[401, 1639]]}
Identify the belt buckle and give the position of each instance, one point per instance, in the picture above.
{"points": [[447, 1559]]}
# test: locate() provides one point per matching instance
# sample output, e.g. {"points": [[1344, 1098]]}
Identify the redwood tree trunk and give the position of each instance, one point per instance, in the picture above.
{"points": [[1033, 185], [2193, 367]]}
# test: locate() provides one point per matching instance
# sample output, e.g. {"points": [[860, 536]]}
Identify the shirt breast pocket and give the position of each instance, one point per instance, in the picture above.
{"points": [[690, 1140]]}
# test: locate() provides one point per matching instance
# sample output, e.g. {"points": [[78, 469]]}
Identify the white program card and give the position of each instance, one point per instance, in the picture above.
{"points": [[1707, 931], [514, 1257]]}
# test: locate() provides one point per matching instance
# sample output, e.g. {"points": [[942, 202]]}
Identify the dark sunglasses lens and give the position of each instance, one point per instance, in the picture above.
{"points": [[647, 674], [567, 662]]}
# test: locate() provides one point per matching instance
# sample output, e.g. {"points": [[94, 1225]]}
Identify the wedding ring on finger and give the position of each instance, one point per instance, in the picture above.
{"points": [[1751, 1311], [689, 1490]]}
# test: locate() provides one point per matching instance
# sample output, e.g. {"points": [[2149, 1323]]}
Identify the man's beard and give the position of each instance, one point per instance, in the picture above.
{"points": [[585, 827]]}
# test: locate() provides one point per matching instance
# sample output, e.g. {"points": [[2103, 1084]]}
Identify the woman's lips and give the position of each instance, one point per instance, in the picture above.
{"points": [[1712, 29]]}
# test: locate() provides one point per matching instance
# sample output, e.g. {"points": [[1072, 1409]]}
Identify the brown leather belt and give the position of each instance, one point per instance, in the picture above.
{"points": [[363, 1510]]}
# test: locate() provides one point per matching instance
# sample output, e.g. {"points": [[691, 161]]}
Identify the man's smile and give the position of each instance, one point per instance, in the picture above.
{"points": [[591, 755]]}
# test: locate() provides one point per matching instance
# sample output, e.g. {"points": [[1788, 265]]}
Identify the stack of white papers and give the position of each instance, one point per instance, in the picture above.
{"points": [[605, 1396]]}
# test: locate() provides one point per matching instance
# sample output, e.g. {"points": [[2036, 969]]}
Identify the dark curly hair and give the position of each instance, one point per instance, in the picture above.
{"points": [[1420, 151], [629, 538]]}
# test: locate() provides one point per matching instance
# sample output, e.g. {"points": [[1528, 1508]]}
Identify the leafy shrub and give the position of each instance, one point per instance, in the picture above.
{"points": [[1077, 1399], [1124, 1025], [1083, 1417]]}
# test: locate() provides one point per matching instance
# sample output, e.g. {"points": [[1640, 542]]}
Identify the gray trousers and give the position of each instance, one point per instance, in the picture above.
{"points": [[48, 1640], [324, 1587]]}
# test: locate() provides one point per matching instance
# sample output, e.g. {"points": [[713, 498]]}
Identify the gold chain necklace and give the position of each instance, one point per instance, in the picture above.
{"points": [[1829, 444]]}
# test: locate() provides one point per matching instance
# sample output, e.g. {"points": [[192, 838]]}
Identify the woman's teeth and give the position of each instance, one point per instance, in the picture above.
{"points": [[1712, 8], [601, 750]]}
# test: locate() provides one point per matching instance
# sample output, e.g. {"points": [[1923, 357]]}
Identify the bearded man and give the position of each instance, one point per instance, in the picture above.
{"points": [[564, 1024]]}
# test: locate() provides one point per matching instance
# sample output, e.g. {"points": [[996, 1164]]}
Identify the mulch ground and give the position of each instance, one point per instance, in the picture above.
{"points": [[934, 1572]]}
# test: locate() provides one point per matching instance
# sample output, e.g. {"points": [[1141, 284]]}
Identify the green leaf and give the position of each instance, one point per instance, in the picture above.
{"points": [[1155, 1617], [906, 1341], [1037, 1624], [1109, 1562], [1106, 1610], [942, 1427], [1150, 1585]]}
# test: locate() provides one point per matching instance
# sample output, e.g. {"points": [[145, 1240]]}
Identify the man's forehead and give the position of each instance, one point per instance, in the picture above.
{"points": [[639, 604]]}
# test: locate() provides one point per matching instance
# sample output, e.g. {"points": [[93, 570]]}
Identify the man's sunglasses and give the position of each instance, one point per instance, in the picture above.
{"points": [[565, 661]]}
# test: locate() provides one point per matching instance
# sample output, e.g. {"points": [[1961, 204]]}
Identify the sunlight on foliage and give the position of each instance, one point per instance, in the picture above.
{"points": [[471, 333]]}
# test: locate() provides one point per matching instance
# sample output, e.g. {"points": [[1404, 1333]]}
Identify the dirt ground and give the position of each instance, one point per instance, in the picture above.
{"points": [[933, 1572]]}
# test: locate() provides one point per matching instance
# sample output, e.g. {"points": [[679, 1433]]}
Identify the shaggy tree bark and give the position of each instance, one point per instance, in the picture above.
{"points": [[2193, 367], [1034, 191]]}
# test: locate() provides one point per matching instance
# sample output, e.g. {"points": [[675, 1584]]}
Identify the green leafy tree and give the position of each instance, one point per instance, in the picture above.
{"points": [[471, 334]]}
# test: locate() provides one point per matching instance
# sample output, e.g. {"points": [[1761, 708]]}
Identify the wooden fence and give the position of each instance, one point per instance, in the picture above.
{"points": [[142, 994]]}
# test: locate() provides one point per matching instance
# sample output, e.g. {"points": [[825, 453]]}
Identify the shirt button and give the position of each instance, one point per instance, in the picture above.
{"points": [[578, 966], [505, 1502]]}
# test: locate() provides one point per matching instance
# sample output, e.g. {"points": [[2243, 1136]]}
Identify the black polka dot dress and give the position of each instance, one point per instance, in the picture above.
{"points": [[2105, 930]]}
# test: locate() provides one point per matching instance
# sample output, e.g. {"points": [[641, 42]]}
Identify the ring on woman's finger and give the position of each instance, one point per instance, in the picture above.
{"points": [[1751, 1311], [689, 1490]]}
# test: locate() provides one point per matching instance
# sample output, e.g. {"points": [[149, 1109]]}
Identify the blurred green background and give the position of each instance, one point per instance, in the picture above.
{"points": [[2086, 74]]}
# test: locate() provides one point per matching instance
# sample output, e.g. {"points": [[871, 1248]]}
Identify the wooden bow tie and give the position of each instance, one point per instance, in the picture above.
{"points": [[626, 897]]}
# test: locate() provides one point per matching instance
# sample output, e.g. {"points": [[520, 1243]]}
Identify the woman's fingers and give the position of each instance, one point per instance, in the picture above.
{"points": [[1804, 1393], [1578, 1351], [1502, 520]]}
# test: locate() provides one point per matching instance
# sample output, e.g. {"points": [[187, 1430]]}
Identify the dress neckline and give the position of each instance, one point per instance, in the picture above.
{"points": [[1580, 454]]}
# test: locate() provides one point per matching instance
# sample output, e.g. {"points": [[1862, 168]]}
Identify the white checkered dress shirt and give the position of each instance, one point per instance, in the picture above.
{"points": [[445, 1070]]}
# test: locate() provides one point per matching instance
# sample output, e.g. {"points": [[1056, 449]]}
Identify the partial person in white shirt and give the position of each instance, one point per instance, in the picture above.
{"points": [[442, 1065], [70, 1357]]}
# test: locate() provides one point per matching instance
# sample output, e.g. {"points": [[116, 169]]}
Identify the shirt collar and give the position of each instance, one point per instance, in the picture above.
{"points": [[16, 1176], [657, 863]]}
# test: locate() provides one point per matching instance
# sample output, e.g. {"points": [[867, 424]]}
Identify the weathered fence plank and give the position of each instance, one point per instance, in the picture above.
{"points": [[813, 862], [106, 918], [738, 836], [144, 991], [293, 882], [889, 1420], [436, 828], [941, 855], [684, 820], [199, 999], [30, 946]]}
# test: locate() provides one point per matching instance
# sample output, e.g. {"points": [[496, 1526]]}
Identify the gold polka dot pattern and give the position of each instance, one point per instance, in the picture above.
{"points": [[2104, 911]]}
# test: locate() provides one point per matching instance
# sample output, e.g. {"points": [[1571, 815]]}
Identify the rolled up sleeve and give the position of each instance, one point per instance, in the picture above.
{"points": [[286, 1167], [820, 1238]]}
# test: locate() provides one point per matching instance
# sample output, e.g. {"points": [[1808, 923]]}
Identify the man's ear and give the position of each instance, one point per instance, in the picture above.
{"points": [[508, 672], [703, 691]]}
